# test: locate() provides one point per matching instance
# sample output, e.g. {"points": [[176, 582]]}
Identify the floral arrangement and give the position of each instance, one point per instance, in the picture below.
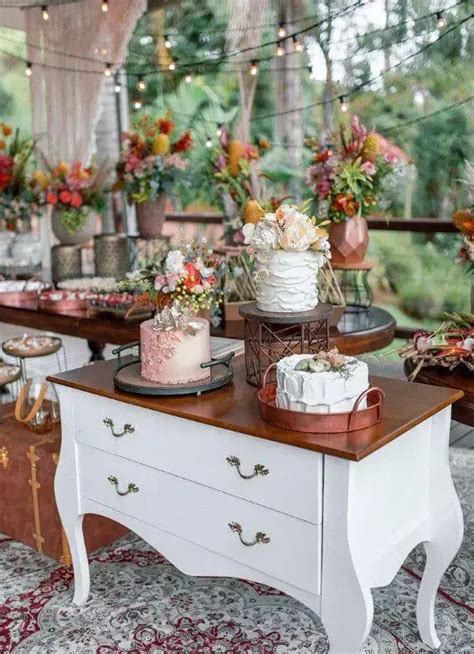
{"points": [[189, 276], [464, 221], [330, 361], [234, 166], [15, 154], [347, 179], [451, 345], [151, 160], [174, 317], [73, 189], [288, 229]]}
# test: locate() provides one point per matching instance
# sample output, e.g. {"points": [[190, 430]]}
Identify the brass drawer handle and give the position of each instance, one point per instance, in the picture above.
{"points": [[127, 428], [258, 469], [260, 537], [132, 488]]}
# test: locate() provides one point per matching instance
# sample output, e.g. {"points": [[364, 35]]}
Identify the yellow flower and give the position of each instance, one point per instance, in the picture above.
{"points": [[42, 179], [161, 145], [61, 169]]}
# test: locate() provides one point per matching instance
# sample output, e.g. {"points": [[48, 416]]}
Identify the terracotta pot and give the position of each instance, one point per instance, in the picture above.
{"points": [[151, 217], [83, 235], [349, 240]]}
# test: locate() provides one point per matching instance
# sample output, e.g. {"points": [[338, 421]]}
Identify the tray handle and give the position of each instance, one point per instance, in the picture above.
{"points": [[265, 374], [226, 359], [118, 351], [378, 405]]}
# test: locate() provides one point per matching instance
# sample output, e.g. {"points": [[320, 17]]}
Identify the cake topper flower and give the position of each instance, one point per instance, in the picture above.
{"points": [[173, 318]]}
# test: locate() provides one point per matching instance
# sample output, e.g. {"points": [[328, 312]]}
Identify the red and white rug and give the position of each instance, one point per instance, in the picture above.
{"points": [[140, 603]]}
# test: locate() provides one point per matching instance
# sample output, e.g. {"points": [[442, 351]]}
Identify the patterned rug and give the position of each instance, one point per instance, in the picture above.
{"points": [[140, 603]]}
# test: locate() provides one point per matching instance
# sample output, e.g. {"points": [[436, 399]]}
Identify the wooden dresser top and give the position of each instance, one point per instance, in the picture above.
{"points": [[235, 407]]}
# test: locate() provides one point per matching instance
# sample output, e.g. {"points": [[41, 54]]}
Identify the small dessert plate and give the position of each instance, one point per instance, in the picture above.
{"points": [[127, 377], [322, 423]]}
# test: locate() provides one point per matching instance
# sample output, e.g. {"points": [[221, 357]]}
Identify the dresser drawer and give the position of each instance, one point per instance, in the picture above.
{"points": [[286, 548], [277, 476]]}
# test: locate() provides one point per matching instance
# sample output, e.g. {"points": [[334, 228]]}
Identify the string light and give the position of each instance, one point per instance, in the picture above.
{"points": [[117, 87], [172, 65], [254, 67], [208, 142], [280, 49], [28, 69], [108, 70], [219, 130], [146, 40], [344, 103], [297, 44], [189, 78], [137, 104], [312, 74], [282, 31], [167, 42], [141, 84], [442, 22], [105, 6], [44, 12]]}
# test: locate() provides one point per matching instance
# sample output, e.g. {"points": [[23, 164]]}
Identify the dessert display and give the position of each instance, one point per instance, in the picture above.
{"points": [[20, 291], [290, 249], [121, 304], [8, 373], [105, 284], [173, 346], [31, 346], [327, 382], [57, 300]]}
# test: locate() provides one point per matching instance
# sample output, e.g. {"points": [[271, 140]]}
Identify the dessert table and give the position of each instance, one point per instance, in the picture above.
{"points": [[322, 517], [357, 332]]}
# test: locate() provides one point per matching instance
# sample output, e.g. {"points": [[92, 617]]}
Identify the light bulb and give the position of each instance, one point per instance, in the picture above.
{"points": [[103, 51], [117, 88], [28, 69], [146, 40], [172, 65], [137, 104], [254, 67], [167, 42], [219, 130], [189, 78], [208, 142], [44, 11], [311, 73], [282, 31], [298, 46], [105, 6], [344, 103], [442, 22], [107, 70], [141, 84], [280, 50]]}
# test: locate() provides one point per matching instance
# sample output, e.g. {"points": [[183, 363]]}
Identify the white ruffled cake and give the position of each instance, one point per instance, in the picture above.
{"points": [[327, 388]]}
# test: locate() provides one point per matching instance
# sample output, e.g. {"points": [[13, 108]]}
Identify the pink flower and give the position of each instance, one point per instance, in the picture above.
{"points": [[359, 131], [323, 188], [160, 281], [391, 158], [172, 280], [51, 198], [65, 197], [132, 162], [369, 168], [76, 199]]}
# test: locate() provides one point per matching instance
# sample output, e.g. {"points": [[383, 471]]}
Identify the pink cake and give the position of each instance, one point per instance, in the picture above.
{"points": [[174, 356]]}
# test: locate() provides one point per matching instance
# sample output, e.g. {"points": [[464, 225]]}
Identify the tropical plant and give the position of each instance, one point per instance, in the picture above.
{"points": [[15, 154]]}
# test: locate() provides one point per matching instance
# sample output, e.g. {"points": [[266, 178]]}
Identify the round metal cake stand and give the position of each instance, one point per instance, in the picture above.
{"points": [[250, 311], [127, 378]]}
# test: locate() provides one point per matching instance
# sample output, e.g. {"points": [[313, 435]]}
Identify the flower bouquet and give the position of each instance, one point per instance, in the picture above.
{"points": [[16, 201], [234, 166], [290, 249], [450, 346], [149, 165], [75, 193], [190, 275], [347, 183], [463, 219]]}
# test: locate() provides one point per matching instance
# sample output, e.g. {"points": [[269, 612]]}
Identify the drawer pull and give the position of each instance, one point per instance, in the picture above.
{"points": [[260, 537], [127, 429], [258, 469], [132, 488]]}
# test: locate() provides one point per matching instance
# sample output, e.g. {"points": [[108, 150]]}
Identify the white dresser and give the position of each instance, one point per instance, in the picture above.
{"points": [[205, 481]]}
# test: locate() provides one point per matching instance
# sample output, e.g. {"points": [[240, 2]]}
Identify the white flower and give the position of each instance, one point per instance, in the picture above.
{"points": [[174, 262], [265, 236], [248, 230], [299, 233]]}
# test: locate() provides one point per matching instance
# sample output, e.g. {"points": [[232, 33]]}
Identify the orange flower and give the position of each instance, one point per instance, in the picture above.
{"points": [[61, 169], [6, 129], [463, 219], [165, 125], [2, 145]]}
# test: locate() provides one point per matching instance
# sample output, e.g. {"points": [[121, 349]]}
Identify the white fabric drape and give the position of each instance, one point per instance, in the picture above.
{"points": [[74, 46]]}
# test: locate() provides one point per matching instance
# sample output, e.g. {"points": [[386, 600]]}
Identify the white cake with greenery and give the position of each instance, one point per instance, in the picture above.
{"points": [[290, 249], [327, 382]]}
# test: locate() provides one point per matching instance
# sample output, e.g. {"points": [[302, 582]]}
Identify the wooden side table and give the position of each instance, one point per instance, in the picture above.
{"points": [[322, 517]]}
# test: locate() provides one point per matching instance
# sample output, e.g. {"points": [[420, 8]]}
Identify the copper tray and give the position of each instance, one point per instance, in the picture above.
{"points": [[322, 423], [70, 304]]}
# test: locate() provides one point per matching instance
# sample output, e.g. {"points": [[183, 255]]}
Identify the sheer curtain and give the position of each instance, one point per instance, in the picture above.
{"points": [[69, 52]]}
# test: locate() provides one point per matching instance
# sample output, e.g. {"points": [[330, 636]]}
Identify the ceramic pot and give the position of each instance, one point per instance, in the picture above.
{"points": [[83, 235], [349, 240], [287, 282], [111, 255], [151, 217]]}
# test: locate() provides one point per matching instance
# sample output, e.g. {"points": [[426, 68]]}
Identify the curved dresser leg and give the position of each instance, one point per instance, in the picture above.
{"points": [[440, 551], [348, 617], [73, 530]]}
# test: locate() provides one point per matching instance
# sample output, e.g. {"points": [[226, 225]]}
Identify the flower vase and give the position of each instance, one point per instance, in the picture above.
{"points": [[151, 217], [349, 240], [287, 282], [82, 235]]}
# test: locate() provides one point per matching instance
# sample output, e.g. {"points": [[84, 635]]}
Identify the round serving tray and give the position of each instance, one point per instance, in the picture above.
{"points": [[127, 378], [323, 423], [36, 346]]}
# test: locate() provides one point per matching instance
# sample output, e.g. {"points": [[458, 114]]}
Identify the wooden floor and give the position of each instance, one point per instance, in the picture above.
{"points": [[77, 355]]}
